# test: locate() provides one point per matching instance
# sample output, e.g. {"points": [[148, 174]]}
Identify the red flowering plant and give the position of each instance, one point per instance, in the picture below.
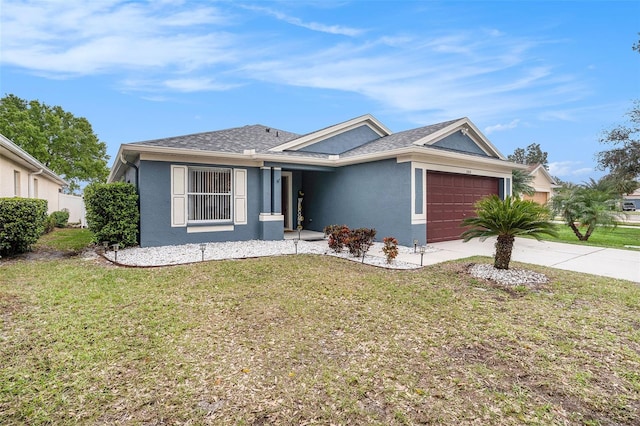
{"points": [[338, 235], [359, 241], [390, 248]]}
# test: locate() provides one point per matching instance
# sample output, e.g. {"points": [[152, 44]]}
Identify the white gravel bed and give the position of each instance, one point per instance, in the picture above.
{"points": [[190, 253], [512, 276]]}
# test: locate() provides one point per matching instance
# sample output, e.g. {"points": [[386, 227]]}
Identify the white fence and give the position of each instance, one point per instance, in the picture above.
{"points": [[75, 205]]}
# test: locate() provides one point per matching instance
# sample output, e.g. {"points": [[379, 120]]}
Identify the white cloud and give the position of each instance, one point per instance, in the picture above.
{"points": [[569, 168], [451, 76], [167, 46], [500, 127], [99, 37], [314, 26], [197, 85]]}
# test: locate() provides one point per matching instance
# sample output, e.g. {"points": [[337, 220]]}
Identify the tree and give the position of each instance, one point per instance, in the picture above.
{"points": [[507, 219], [519, 156], [532, 155], [623, 161], [587, 206], [521, 183], [64, 143]]}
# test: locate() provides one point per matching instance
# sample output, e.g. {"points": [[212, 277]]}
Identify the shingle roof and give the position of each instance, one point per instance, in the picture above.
{"points": [[234, 140], [261, 138], [397, 140]]}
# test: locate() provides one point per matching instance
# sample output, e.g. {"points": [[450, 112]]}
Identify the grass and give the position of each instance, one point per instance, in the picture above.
{"points": [[312, 340], [618, 237], [65, 239]]}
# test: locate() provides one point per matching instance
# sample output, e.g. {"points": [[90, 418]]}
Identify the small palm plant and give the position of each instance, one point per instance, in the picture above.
{"points": [[591, 206], [507, 219]]}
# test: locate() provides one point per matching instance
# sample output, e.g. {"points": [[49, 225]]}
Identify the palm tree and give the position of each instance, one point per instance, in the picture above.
{"points": [[507, 219], [522, 183], [590, 205]]}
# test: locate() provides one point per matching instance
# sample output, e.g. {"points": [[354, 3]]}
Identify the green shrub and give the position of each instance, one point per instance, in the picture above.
{"points": [[112, 213], [49, 224], [60, 218], [22, 222]]}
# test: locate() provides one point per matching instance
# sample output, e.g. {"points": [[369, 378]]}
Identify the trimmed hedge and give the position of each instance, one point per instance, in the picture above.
{"points": [[112, 213], [22, 222]]}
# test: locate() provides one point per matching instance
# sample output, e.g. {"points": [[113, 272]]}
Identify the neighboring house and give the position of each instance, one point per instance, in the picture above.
{"points": [[634, 197], [543, 183], [21, 175], [256, 182]]}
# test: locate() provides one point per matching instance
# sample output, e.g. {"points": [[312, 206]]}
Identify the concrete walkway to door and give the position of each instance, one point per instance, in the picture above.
{"points": [[608, 262]]}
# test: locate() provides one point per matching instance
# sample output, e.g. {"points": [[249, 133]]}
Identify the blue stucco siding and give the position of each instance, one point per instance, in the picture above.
{"points": [[372, 195], [155, 209], [343, 142], [459, 142]]}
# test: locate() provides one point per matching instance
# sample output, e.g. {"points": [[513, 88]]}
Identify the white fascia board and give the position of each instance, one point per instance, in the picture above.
{"points": [[117, 165], [461, 160], [474, 133], [412, 153], [336, 129], [545, 173], [22, 157]]}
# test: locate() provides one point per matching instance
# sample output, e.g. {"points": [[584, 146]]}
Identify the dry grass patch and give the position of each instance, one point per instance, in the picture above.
{"points": [[313, 340]]}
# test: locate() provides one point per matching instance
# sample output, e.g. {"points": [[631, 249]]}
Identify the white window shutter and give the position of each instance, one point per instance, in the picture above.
{"points": [[240, 196], [179, 180]]}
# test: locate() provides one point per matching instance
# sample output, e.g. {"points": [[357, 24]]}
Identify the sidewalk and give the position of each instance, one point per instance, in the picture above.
{"points": [[608, 262]]}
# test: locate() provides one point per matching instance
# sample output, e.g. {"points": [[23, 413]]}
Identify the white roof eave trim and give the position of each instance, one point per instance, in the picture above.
{"points": [[317, 136]]}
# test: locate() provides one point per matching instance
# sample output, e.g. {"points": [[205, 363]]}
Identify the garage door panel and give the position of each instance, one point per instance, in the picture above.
{"points": [[451, 198]]}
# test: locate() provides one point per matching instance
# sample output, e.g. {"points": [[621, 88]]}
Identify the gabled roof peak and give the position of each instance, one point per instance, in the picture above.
{"points": [[327, 132]]}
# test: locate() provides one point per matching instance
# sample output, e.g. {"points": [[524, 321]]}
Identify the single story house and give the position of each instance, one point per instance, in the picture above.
{"points": [[543, 184], [257, 182], [21, 175]]}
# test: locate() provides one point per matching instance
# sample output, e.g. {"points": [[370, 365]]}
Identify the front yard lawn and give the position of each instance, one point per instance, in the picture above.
{"points": [[70, 240], [618, 237], [312, 340]]}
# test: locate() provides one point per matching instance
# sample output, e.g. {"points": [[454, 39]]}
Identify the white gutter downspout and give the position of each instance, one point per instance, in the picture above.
{"points": [[30, 183]]}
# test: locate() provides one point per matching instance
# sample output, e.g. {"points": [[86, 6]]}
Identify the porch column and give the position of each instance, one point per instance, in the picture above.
{"points": [[271, 220], [276, 191], [266, 190]]}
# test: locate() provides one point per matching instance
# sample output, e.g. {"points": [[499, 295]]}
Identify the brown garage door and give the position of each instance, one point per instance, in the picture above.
{"points": [[450, 198]]}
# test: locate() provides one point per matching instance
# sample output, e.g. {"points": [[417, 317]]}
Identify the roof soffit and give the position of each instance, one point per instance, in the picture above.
{"points": [[16, 154], [328, 132]]}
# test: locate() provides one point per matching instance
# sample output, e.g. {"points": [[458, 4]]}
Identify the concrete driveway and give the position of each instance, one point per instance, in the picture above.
{"points": [[614, 263]]}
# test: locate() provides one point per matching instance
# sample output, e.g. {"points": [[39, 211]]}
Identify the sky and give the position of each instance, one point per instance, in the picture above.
{"points": [[555, 73]]}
